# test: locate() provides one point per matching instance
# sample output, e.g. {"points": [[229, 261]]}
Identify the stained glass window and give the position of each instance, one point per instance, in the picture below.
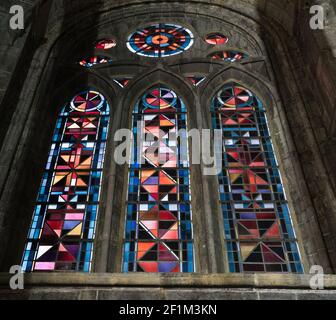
{"points": [[159, 235], [229, 56], [122, 82], [92, 61], [106, 44], [258, 228], [64, 220], [216, 39], [160, 40], [196, 80]]}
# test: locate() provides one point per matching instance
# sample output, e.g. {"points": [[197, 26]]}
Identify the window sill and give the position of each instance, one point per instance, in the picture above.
{"points": [[226, 280]]}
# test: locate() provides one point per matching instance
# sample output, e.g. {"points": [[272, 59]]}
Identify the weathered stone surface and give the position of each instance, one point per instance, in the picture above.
{"points": [[167, 287]]}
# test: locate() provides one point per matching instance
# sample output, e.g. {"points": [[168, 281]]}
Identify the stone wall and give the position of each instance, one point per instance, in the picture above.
{"points": [[167, 287]]}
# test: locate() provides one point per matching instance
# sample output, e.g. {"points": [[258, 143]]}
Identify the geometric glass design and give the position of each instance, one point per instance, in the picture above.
{"points": [[216, 39], [94, 60], [106, 44], [63, 226], [122, 82], [160, 40], [196, 80], [258, 228], [159, 234], [229, 56]]}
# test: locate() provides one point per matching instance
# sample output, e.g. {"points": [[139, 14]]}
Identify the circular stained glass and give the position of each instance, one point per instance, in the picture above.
{"points": [[159, 98], [87, 101], [216, 39], [160, 40], [92, 61], [229, 56], [106, 44], [235, 97]]}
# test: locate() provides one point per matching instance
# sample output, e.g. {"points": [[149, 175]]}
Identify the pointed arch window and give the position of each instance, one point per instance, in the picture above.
{"points": [[159, 235], [64, 220], [258, 228]]}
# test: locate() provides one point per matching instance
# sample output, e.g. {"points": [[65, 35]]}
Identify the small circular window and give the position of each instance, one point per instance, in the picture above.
{"points": [[235, 97], [160, 40], [87, 101], [159, 99], [216, 39]]}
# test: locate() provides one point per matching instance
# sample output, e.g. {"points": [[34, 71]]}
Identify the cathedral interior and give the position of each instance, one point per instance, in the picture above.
{"points": [[81, 225]]}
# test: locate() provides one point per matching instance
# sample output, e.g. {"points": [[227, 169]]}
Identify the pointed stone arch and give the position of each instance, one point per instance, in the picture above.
{"points": [[286, 151]]}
